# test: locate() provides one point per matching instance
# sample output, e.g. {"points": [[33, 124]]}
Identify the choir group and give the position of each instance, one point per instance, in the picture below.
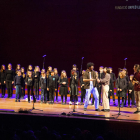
{"points": [[100, 84]]}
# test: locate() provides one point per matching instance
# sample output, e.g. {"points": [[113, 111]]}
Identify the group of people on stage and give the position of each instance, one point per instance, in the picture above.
{"points": [[97, 83]]}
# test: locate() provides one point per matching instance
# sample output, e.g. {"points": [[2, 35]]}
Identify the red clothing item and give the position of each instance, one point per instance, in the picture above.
{"points": [[137, 77]]}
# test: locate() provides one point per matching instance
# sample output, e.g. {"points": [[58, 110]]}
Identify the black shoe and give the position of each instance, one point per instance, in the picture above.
{"points": [[85, 109], [16, 100], [28, 101], [97, 109], [136, 112], [106, 110], [114, 104], [102, 110]]}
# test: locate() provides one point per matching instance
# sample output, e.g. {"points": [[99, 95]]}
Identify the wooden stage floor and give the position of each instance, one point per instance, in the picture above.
{"points": [[57, 109]]}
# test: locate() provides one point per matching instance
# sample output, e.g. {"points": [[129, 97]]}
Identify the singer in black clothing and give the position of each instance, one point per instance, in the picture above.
{"points": [[131, 91], [100, 75], [111, 90], [36, 75], [83, 90], [9, 78], [48, 73], [2, 78], [63, 81], [57, 79], [17, 69], [74, 84], [121, 85], [30, 83], [51, 86], [24, 78], [127, 79]]}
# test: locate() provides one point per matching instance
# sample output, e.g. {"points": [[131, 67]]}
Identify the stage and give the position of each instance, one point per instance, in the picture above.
{"points": [[124, 126]]}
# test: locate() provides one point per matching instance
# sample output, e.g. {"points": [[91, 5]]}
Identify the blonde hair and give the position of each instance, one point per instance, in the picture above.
{"points": [[123, 74], [62, 76], [36, 68], [56, 70]]}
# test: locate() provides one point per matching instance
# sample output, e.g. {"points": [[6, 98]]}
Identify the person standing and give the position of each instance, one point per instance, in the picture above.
{"points": [[121, 85], [63, 81], [18, 81], [89, 79], [105, 88], [57, 79], [83, 91], [51, 86], [36, 75], [100, 74], [136, 80], [43, 85], [9, 78], [74, 84], [113, 79], [2, 78]]}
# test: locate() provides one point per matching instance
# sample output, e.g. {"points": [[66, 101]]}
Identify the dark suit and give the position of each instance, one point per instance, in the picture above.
{"points": [[100, 75]]}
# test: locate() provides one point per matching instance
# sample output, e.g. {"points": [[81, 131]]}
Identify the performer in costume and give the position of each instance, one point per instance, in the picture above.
{"points": [[74, 84], [2, 79], [105, 88], [121, 85], [63, 81], [90, 83]]}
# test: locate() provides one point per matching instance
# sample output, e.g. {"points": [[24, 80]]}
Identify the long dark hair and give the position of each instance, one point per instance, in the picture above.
{"points": [[2, 68]]}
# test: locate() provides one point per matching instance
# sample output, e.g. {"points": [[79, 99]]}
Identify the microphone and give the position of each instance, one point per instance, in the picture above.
{"points": [[82, 57], [44, 55], [125, 59]]}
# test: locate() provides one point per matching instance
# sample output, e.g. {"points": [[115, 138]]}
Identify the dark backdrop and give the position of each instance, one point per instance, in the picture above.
{"points": [[66, 30]]}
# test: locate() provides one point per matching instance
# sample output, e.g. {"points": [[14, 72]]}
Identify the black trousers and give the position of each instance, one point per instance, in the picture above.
{"points": [[28, 90], [51, 94], [73, 97], [3, 89], [23, 91], [119, 100], [48, 95], [9, 88], [83, 92], [56, 95], [131, 96], [36, 87], [125, 96], [100, 90], [65, 98]]}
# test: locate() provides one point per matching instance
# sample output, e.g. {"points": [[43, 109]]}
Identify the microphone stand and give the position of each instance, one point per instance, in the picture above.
{"points": [[119, 99], [44, 60], [81, 65], [125, 62]]}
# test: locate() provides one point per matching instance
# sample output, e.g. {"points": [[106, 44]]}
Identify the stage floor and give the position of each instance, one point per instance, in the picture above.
{"points": [[57, 109]]}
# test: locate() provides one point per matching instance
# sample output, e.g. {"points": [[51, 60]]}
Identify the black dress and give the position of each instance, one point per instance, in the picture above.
{"points": [[63, 87], [121, 84], [83, 91]]}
